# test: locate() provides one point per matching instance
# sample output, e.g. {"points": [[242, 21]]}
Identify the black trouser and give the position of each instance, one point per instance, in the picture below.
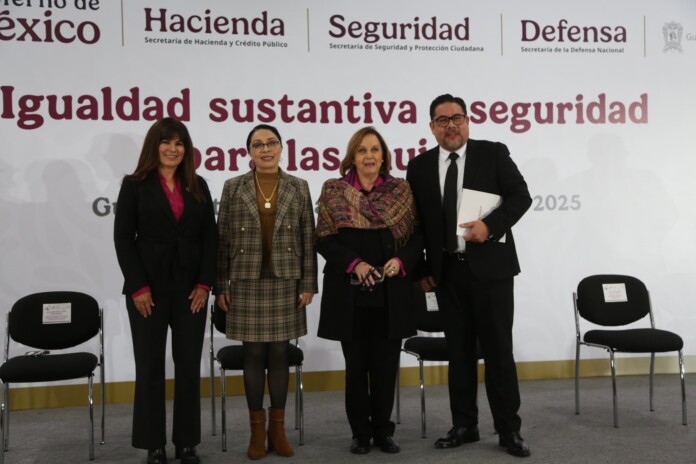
{"points": [[372, 362], [473, 309], [149, 347]]}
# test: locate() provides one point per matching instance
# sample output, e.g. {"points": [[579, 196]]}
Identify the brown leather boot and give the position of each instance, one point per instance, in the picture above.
{"points": [[257, 442], [276, 433]]}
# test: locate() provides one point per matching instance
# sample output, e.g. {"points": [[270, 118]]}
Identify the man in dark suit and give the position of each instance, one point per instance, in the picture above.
{"points": [[472, 274]]}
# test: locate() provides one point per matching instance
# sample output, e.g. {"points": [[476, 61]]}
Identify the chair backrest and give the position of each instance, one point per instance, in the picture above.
{"points": [[219, 319], [593, 306], [54, 320], [426, 321]]}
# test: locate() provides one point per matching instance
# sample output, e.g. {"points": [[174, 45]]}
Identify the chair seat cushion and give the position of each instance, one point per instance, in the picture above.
{"points": [[48, 368], [232, 357], [428, 348], [636, 340]]}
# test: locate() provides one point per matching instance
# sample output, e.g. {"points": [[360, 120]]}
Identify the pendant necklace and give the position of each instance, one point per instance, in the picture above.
{"points": [[266, 205]]}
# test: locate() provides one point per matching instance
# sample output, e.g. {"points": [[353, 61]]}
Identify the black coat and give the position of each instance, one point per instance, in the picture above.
{"points": [[156, 250], [338, 297]]}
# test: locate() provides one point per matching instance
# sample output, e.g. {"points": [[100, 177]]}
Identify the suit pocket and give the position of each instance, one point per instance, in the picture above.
{"points": [[245, 251], [287, 251]]}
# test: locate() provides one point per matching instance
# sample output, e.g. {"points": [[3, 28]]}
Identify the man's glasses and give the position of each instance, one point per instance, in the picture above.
{"points": [[273, 144], [443, 121]]}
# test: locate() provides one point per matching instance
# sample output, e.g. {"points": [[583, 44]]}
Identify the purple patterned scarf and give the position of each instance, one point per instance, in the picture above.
{"points": [[389, 204]]}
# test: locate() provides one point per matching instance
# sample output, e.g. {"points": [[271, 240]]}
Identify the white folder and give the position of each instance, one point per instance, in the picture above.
{"points": [[476, 205]]}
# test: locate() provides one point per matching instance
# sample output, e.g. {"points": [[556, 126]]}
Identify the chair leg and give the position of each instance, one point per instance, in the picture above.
{"points": [[652, 376], [6, 417], [212, 395], [299, 401], [683, 388], [90, 401], [612, 361], [102, 395], [577, 377], [223, 409], [398, 393], [422, 392], [2, 425]]}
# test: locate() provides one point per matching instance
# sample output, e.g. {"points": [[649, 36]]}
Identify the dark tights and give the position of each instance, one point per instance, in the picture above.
{"points": [[259, 357]]}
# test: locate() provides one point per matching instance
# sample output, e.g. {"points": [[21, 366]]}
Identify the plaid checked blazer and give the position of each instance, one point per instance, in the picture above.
{"points": [[239, 229]]}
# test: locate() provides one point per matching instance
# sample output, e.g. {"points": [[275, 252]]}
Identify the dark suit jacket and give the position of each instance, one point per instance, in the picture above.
{"points": [[155, 250], [487, 168]]}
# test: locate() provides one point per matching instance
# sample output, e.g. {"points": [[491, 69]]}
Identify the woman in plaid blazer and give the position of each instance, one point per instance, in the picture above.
{"points": [[266, 277]]}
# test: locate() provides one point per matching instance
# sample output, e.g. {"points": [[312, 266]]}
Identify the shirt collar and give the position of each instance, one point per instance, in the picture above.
{"points": [[444, 154]]}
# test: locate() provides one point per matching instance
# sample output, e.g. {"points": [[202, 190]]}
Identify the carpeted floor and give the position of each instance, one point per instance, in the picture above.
{"points": [[555, 434]]}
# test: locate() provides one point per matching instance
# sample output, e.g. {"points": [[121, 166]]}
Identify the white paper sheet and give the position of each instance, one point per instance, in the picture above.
{"points": [[476, 205]]}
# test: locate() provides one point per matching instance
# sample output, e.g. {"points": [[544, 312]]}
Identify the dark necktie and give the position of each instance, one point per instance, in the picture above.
{"points": [[449, 203]]}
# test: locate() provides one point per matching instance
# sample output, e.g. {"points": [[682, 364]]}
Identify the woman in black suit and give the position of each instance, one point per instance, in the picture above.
{"points": [[166, 243], [366, 232]]}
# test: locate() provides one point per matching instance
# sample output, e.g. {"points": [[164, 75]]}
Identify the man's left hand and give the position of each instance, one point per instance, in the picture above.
{"points": [[478, 231]]}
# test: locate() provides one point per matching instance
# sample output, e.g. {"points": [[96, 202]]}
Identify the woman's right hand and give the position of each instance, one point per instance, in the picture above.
{"points": [[222, 301], [364, 272], [144, 304]]}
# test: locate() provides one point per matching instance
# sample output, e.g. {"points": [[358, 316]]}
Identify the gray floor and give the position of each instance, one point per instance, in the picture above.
{"points": [[556, 435]]}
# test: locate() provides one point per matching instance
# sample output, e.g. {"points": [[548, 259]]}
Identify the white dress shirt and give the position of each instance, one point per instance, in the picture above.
{"points": [[443, 165]]}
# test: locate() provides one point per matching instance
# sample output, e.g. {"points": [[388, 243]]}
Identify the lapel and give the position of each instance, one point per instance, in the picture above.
{"points": [[431, 170], [469, 161], [247, 192], [286, 195], [155, 190]]}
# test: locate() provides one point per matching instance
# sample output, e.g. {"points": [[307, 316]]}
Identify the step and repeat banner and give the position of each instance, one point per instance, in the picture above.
{"points": [[598, 110]]}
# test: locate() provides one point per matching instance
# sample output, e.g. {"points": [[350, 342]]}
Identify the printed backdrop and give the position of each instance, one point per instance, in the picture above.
{"points": [[599, 112]]}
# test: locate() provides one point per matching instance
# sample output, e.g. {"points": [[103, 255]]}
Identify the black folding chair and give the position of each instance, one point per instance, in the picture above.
{"points": [[425, 348], [48, 322], [619, 300]]}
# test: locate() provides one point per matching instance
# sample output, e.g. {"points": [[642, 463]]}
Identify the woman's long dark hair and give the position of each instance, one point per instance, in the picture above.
{"points": [[148, 163]]}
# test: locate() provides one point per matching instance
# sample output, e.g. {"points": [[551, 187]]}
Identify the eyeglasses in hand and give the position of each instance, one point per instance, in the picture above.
{"points": [[443, 121], [273, 144]]}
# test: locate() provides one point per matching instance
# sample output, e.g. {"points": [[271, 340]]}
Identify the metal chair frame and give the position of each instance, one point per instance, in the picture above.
{"points": [[421, 388], [299, 391], [5, 407], [612, 362]]}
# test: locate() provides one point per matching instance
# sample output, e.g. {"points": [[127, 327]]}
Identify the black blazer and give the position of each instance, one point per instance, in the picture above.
{"points": [[487, 168], [338, 296], [155, 250]]}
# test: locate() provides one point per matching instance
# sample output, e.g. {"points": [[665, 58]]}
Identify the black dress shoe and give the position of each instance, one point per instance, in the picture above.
{"points": [[387, 445], [457, 436], [157, 456], [360, 446], [187, 455], [515, 444]]}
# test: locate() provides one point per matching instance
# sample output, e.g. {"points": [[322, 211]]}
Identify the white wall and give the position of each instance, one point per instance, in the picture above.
{"points": [[626, 179]]}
